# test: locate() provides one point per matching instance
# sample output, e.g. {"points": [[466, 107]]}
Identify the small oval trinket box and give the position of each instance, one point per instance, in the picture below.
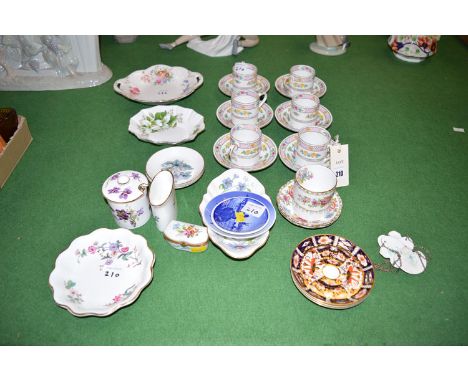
{"points": [[186, 236]]}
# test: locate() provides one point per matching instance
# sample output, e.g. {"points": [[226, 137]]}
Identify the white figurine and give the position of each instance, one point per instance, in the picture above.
{"points": [[220, 46]]}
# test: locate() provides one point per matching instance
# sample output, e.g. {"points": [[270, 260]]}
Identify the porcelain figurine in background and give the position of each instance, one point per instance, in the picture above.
{"points": [[163, 199], [51, 63], [330, 45], [219, 46], [126, 194], [413, 48], [125, 39]]}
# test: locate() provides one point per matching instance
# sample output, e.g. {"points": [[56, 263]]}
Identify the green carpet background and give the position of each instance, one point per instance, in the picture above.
{"points": [[409, 172]]}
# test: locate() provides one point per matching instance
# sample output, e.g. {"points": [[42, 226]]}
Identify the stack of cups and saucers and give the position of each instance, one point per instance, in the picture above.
{"points": [[310, 200], [246, 113], [241, 216]]}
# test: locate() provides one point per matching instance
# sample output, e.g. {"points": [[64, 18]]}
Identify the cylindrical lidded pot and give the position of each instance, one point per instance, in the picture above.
{"points": [[127, 196]]}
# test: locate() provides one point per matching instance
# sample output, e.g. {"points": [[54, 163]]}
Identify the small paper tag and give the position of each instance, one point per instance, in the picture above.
{"points": [[458, 130], [339, 164], [253, 209]]}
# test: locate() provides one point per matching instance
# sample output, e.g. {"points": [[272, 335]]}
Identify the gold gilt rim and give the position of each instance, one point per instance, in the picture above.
{"points": [[321, 302]]}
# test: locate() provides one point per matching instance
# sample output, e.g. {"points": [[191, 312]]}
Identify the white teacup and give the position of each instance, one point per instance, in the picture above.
{"points": [[304, 110], [244, 75], [245, 106], [162, 199], [245, 145], [301, 78], [314, 187], [312, 145]]}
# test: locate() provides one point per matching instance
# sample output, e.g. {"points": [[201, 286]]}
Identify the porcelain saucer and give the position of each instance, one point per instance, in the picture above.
{"points": [[225, 84], [289, 209], [185, 164], [268, 153], [281, 84], [282, 115], [287, 153], [223, 113]]}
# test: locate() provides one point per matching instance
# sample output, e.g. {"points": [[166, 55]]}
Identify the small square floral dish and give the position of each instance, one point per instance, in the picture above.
{"points": [[186, 236], [102, 272]]}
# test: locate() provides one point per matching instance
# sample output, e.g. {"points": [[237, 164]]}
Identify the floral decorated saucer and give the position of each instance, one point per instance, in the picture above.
{"points": [[166, 124], [234, 180], [325, 118], [306, 219], [287, 153], [102, 272], [281, 84], [159, 84], [268, 153], [225, 84], [223, 113], [187, 165], [331, 271]]}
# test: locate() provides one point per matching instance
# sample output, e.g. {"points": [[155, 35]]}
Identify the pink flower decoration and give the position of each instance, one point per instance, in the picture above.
{"points": [[92, 249], [134, 90], [117, 298], [124, 249]]}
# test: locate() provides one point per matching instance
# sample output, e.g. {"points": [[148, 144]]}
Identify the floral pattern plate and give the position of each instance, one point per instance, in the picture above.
{"points": [[331, 271], [102, 272], [223, 113], [187, 165], [159, 84], [225, 84], [282, 116], [281, 84], [288, 208], [287, 153], [268, 153], [166, 125], [234, 180]]}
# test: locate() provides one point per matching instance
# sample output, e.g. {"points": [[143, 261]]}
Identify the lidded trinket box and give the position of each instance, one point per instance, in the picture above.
{"points": [[127, 196], [186, 236]]}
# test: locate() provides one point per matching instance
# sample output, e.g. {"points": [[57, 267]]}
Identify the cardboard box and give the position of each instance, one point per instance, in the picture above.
{"points": [[14, 150]]}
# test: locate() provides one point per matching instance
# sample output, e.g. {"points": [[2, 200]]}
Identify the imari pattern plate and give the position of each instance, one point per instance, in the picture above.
{"points": [[223, 113], [102, 272], [226, 85], [281, 84], [331, 271]]}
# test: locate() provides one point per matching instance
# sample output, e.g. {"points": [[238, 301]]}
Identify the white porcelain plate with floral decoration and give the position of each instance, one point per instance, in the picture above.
{"points": [[226, 84], [223, 113], [268, 153], [187, 165], [281, 84], [287, 153], [159, 84], [289, 209], [282, 115], [102, 272], [234, 180], [166, 124]]}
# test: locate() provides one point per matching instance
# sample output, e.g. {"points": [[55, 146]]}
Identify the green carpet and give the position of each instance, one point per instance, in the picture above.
{"points": [[408, 173]]}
